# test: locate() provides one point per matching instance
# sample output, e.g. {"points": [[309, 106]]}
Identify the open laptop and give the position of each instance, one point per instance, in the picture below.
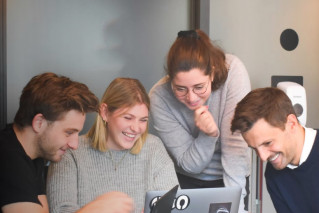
{"points": [[164, 203], [202, 200]]}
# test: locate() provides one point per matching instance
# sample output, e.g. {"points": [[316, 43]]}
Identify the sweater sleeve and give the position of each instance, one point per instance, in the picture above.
{"points": [[236, 156], [164, 175], [189, 153], [62, 185]]}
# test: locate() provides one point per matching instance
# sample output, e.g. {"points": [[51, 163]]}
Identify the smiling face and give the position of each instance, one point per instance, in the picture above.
{"points": [[58, 136], [193, 80], [278, 147], [125, 126]]}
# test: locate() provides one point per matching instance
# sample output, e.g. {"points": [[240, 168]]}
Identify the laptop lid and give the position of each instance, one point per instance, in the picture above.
{"points": [[164, 203], [203, 200]]}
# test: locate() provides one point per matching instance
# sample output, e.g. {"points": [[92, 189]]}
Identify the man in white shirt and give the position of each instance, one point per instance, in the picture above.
{"points": [[267, 121]]}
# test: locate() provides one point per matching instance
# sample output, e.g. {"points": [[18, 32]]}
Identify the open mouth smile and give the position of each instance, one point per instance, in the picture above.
{"points": [[129, 135], [274, 158]]}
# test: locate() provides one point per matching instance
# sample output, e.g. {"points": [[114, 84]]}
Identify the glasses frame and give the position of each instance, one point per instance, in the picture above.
{"points": [[187, 90]]}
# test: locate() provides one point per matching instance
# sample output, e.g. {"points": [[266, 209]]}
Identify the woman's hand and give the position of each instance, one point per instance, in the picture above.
{"points": [[205, 121]]}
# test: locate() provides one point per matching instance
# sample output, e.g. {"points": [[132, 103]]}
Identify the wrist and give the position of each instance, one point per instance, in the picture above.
{"points": [[214, 133]]}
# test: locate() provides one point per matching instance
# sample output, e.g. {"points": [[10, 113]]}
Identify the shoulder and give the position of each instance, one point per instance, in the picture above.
{"points": [[154, 150], [231, 58], [161, 90], [9, 141], [159, 85], [235, 64], [21, 163], [153, 141], [12, 155], [163, 99], [237, 74], [83, 149], [153, 144], [84, 142]]}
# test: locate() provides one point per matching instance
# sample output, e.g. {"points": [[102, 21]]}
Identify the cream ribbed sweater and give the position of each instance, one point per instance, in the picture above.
{"points": [[86, 173]]}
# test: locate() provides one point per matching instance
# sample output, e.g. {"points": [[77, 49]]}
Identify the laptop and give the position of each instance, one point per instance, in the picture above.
{"points": [[164, 203], [202, 200]]}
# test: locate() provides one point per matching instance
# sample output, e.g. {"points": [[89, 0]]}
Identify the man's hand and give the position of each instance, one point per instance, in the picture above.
{"points": [[112, 202]]}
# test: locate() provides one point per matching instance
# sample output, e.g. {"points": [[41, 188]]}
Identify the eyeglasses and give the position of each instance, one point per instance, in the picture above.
{"points": [[183, 91]]}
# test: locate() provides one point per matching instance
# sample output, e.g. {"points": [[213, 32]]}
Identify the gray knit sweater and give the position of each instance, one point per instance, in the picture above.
{"points": [[196, 154], [86, 173]]}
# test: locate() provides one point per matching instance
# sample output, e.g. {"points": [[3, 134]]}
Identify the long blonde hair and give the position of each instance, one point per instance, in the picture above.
{"points": [[121, 93]]}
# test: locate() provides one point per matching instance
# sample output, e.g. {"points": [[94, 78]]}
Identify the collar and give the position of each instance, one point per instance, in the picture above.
{"points": [[310, 135]]}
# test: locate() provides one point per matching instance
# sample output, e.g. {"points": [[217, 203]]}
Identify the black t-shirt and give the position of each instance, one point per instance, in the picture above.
{"points": [[21, 179]]}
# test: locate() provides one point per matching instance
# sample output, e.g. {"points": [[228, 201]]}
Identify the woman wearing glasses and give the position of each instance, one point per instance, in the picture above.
{"points": [[192, 108]]}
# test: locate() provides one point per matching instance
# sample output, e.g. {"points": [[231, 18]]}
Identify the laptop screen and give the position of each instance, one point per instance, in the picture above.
{"points": [[210, 200], [164, 203]]}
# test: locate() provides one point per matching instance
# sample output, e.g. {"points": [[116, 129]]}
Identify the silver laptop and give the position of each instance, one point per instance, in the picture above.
{"points": [[202, 200]]}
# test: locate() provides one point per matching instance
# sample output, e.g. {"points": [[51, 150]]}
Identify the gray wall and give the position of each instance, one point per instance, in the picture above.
{"points": [[251, 30], [92, 41]]}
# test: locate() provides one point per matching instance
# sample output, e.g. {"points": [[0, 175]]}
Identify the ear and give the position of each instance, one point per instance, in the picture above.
{"points": [[211, 77], [38, 122], [104, 111], [292, 122]]}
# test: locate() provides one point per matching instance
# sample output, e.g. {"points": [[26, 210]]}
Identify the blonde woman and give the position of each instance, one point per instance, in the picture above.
{"points": [[117, 154]]}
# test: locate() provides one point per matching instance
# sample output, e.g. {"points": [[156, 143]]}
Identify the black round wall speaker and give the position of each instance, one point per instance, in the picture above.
{"points": [[289, 39]]}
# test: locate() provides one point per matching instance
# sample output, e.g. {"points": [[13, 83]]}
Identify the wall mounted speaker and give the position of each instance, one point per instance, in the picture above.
{"points": [[297, 95]]}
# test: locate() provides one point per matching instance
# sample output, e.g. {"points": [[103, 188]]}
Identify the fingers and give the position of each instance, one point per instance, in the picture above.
{"points": [[113, 202], [205, 122], [199, 111]]}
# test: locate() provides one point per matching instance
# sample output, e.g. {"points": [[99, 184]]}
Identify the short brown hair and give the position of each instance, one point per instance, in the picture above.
{"points": [[194, 49], [53, 96], [269, 103], [121, 93]]}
